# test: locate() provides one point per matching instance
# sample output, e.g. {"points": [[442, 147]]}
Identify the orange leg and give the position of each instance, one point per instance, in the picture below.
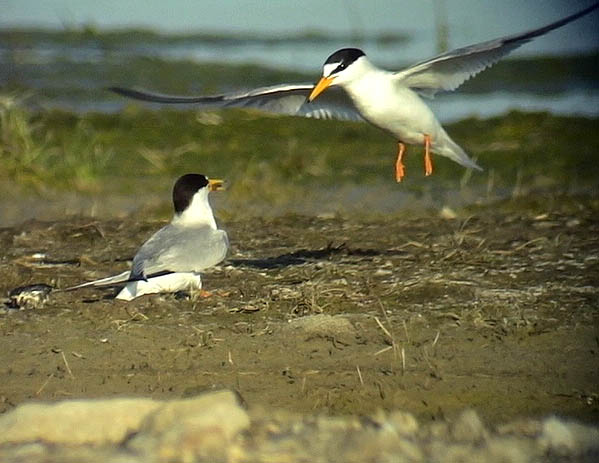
{"points": [[428, 162], [204, 293], [400, 170]]}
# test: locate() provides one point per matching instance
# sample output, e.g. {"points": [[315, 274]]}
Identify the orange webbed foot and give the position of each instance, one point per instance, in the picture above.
{"points": [[400, 170], [428, 161]]}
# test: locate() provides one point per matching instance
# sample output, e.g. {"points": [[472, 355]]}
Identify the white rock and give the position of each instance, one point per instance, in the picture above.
{"points": [[75, 422], [185, 430], [566, 438]]}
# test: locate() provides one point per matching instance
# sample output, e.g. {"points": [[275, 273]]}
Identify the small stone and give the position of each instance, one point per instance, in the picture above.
{"points": [[522, 427], [447, 213], [563, 438], [404, 423], [507, 450], [468, 427], [326, 215], [383, 272], [325, 326]]}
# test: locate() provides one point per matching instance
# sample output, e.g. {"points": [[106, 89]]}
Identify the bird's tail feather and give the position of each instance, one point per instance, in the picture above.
{"points": [[448, 148], [108, 281]]}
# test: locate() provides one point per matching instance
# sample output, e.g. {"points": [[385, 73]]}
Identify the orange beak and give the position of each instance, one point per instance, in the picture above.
{"points": [[215, 184], [320, 87]]}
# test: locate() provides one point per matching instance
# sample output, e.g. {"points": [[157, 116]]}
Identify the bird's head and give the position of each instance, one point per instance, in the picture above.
{"points": [[190, 197], [339, 68]]}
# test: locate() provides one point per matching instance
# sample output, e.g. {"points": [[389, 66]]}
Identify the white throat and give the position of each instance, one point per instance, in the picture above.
{"points": [[198, 212], [327, 69]]}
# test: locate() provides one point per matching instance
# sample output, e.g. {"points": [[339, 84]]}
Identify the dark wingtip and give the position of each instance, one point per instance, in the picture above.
{"points": [[121, 91], [113, 89], [143, 95], [137, 277]]}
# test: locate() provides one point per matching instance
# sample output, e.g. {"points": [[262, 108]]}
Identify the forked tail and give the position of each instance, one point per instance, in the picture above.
{"points": [[445, 146]]}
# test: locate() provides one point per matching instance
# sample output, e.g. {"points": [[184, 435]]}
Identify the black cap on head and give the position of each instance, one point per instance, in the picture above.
{"points": [[184, 189], [345, 56]]}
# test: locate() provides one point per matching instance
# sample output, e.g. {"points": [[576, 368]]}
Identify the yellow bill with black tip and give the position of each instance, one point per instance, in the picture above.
{"points": [[216, 184], [320, 87]]}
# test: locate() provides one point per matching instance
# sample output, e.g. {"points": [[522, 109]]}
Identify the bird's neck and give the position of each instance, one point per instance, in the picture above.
{"points": [[368, 80], [197, 213]]}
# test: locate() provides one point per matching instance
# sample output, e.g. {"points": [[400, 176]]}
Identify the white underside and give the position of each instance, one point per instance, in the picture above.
{"points": [[171, 283], [400, 111]]}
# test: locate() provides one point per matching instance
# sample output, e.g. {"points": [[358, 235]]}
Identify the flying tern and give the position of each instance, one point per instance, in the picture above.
{"points": [[358, 90], [172, 259]]}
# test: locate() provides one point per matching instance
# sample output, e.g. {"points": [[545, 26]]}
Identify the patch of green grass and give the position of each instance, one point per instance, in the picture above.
{"points": [[534, 147], [33, 156], [277, 158]]}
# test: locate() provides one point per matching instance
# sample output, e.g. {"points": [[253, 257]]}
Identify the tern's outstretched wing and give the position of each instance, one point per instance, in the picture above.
{"points": [[180, 249], [286, 99], [450, 70]]}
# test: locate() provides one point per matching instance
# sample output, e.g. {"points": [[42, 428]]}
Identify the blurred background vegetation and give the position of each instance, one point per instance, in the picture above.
{"points": [[70, 146]]}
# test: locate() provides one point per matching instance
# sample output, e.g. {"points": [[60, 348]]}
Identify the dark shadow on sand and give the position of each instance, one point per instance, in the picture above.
{"points": [[303, 256]]}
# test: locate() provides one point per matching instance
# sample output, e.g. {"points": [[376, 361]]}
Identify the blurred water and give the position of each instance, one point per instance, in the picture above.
{"points": [[276, 35], [469, 21], [456, 106], [72, 75]]}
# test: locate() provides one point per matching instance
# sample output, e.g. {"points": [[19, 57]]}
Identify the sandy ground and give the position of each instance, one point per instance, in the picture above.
{"points": [[495, 310]]}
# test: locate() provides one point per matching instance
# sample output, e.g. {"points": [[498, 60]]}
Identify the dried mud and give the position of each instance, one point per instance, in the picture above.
{"points": [[496, 310]]}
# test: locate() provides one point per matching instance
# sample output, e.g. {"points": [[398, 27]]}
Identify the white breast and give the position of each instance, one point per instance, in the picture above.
{"points": [[393, 108]]}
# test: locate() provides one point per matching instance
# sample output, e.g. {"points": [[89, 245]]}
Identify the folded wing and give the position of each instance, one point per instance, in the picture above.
{"points": [[180, 249]]}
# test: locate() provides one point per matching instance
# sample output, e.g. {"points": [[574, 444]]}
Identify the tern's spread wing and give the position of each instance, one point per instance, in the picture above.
{"points": [[450, 70], [280, 99], [180, 249]]}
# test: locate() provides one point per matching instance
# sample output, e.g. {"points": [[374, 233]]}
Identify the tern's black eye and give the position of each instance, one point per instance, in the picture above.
{"points": [[343, 58], [339, 68]]}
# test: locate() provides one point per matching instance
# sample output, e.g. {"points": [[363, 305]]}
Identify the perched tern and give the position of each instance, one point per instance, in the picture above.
{"points": [[358, 90], [172, 259]]}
